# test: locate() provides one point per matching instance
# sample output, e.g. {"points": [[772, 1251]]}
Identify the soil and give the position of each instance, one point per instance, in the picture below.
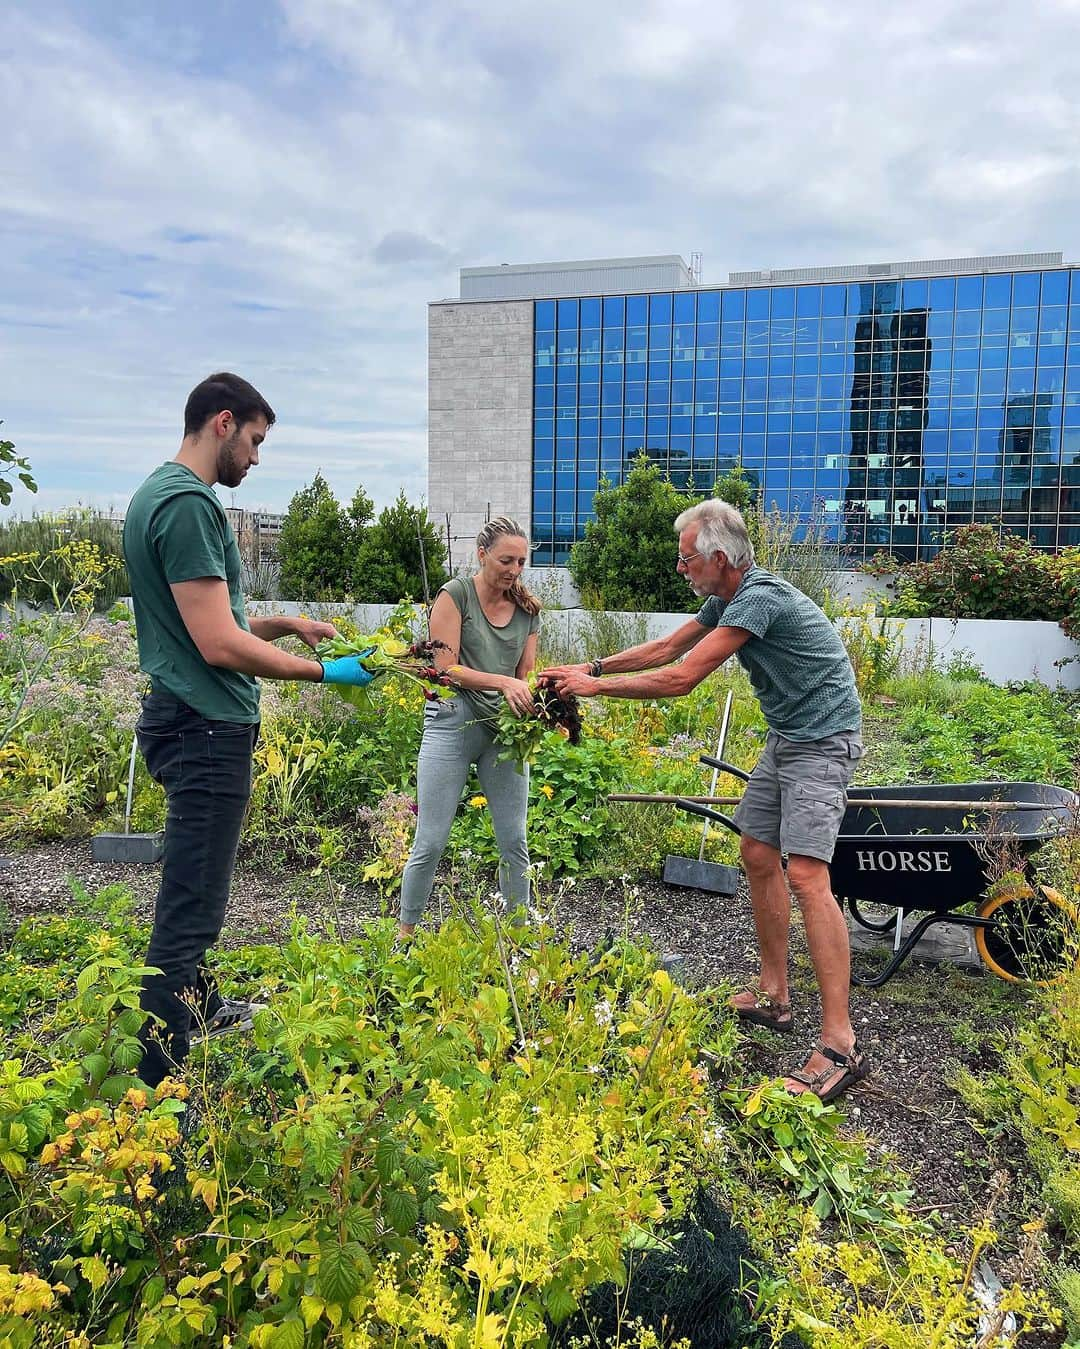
{"points": [[918, 1030]]}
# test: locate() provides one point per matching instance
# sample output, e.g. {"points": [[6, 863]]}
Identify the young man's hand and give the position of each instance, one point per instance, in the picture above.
{"points": [[312, 632], [347, 670]]}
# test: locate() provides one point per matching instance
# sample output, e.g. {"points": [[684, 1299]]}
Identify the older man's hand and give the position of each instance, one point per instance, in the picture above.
{"points": [[571, 679]]}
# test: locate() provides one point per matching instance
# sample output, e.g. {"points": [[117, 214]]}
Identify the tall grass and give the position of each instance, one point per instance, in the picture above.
{"points": [[800, 553]]}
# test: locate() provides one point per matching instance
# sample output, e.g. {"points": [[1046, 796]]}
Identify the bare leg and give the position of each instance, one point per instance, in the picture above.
{"points": [[830, 951], [772, 917]]}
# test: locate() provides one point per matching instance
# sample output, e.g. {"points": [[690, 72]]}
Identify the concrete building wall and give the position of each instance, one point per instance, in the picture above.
{"points": [[480, 364], [547, 280]]}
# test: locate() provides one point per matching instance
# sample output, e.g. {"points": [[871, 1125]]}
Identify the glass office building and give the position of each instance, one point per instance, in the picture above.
{"points": [[881, 412]]}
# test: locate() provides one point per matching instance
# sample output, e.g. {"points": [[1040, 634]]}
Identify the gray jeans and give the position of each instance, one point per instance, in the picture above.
{"points": [[454, 739]]}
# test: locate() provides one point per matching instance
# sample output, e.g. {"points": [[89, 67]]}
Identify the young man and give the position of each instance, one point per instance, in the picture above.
{"points": [[200, 720], [795, 799]]}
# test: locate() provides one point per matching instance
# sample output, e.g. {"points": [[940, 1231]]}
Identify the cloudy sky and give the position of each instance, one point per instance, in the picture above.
{"points": [[278, 187]]}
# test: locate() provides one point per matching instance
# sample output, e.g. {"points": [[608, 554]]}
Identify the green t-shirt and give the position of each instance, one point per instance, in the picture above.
{"points": [[794, 657], [176, 530], [486, 647]]}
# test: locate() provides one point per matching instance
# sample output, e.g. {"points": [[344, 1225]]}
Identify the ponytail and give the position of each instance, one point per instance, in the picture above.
{"points": [[524, 599]]}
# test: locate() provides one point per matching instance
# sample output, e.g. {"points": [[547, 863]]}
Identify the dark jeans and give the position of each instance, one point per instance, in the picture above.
{"points": [[205, 769]]}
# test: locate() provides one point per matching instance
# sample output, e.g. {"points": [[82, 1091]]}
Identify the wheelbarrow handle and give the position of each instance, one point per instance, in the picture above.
{"points": [[693, 808], [724, 766]]}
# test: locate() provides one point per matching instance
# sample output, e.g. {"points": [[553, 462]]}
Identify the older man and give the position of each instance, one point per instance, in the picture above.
{"points": [[795, 800]]}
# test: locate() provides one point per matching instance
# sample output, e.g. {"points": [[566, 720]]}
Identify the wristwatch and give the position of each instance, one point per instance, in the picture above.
{"points": [[596, 669]]}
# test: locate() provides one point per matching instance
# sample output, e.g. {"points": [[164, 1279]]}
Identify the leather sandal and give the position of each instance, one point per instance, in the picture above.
{"points": [[766, 1011], [854, 1068]]}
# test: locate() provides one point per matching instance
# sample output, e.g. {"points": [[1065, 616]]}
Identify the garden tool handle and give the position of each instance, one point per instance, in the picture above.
{"points": [[724, 766], [130, 784], [694, 809], [721, 742]]}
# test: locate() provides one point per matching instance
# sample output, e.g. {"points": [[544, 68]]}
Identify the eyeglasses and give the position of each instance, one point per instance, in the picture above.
{"points": [[689, 557]]}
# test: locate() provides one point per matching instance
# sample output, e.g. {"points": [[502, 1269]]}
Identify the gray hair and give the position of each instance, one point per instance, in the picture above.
{"points": [[720, 529]]}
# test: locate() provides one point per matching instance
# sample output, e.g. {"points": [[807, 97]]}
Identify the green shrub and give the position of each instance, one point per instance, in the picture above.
{"points": [[628, 556], [449, 1145], [1023, 732], [982, 573]]}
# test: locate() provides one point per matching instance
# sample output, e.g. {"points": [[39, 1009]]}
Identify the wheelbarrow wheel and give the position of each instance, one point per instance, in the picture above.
{"points": [[1032, 937]]}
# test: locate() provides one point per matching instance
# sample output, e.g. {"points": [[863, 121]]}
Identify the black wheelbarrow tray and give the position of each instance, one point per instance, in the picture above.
{"points": [[937, 850]]}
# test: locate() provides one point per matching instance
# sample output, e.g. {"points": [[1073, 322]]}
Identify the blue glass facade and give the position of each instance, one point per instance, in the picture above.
{"points": [[885, 412]]}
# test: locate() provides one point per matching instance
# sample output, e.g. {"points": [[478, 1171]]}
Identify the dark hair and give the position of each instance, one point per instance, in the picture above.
{"points": [[503, 527], [224, 393]]}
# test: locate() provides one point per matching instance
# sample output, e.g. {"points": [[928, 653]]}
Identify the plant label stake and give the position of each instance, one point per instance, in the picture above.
{"points": [[696, 873], [129, 847]]}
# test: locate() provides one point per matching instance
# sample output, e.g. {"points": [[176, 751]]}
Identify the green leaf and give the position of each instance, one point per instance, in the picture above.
{"points": [[823, 1204], [154, 1291], [784, 1134], [387, 1157], [1033, 1113], [402, 1210], [130, 1021], [339, 1276], [87, 978], [361, 1224], [289, 1334], [95, 1066], [127, 1053], [559, 1302]]}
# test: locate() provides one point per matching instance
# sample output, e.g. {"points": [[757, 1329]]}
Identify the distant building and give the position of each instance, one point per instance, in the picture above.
{"points": [[884, 403], [257, 533]]}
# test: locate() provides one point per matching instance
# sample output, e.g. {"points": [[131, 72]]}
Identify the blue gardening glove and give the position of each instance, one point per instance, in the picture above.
{"points": [[348, 670]]}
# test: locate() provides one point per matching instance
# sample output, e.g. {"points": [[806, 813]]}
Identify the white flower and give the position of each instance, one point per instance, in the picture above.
{"points": [[602, 1013]]}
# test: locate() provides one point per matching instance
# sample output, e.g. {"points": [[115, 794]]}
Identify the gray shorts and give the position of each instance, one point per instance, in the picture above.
{"points": [[797, 794]]}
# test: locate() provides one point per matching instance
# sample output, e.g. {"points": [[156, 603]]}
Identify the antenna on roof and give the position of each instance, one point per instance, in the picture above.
{"points": [[695, 267]]}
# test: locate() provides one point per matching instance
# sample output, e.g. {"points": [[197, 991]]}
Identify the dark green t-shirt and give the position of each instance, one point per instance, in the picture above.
{"points": [[177, 530], [486, 647], [794, 657]]}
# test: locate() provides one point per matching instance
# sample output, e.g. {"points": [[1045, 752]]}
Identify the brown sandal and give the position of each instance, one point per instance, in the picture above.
{"points": [[854, 1068], [766, 1011]]}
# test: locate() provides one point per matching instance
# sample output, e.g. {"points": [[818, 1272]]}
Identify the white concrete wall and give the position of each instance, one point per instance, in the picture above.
{"points": [[853, 587], [1005, 651], [480, 379]]}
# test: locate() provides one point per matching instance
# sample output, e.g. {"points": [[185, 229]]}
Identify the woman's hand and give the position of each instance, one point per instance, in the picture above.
{"points": [[518, 694]]}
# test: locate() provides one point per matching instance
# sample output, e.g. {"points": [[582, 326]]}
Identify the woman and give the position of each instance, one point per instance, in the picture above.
{"points": [[489, 625]]}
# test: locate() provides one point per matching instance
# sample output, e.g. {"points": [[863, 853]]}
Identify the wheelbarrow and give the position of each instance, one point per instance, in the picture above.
{"points": [[930, 849]]}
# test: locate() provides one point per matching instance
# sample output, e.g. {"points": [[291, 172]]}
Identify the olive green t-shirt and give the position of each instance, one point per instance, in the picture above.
{"points": [[486, 647], [794, 656], [175, 530]]}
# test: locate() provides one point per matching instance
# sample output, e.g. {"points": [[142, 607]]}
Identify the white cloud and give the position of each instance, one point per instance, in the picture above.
{"points": [[284, 197]]}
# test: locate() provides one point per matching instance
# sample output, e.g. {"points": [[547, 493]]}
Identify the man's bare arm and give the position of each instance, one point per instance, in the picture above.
{"points": [[208, 617], [708, 654], [647, 656], [309, 630]]}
